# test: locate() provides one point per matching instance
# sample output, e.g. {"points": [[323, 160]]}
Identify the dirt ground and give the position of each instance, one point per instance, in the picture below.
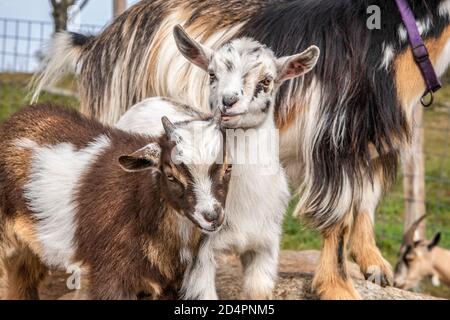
{"points": [[295, 275]]}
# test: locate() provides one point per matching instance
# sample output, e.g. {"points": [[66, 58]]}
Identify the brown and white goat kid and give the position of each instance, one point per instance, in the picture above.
{"points": [[126, 208], [420, 259], [244, 79]]}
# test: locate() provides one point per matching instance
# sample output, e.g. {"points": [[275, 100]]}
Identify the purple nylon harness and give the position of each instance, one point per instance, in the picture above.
{"points": [[420, 52]]}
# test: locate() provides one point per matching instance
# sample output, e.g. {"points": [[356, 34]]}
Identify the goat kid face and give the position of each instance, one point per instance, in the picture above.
{"points": [[415, 263], [244, 76], [190, 161]]}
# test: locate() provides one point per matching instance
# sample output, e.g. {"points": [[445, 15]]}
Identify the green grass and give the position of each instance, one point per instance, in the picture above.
{"points": [[14, 94], [389, 226], [296, 235]]}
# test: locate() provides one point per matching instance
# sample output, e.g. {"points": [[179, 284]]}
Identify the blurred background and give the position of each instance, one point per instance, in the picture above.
{"points": [[423, 183]]}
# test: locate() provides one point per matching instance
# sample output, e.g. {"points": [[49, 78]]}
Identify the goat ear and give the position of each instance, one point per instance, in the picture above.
{"points": [[297, 65], [143, 159], [170, 130], [435, 241], [192, 50]]}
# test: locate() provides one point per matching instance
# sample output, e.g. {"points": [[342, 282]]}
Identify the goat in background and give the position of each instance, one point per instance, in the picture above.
{"points": [[419, 259]]}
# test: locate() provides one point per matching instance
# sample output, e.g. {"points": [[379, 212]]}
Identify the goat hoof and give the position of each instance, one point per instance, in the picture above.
{"points": [[339, 290], [381, 276], [380, 279]]}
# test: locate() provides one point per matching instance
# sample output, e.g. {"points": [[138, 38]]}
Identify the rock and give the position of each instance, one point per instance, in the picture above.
{"points": [[295, 276], [296, 272]]}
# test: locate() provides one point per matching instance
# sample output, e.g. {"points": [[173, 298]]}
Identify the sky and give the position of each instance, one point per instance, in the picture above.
{"points": [[17, 52], [97, 12]]}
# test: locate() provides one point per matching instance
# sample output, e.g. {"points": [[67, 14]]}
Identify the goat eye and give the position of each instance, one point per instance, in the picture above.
{"points": [[175, 185], [212, 77], [266, 82], [229, 169]]}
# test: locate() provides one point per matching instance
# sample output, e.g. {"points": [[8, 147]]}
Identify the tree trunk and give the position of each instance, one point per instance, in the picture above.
{"points": [[59, 13], [414, 176], [119, 6]]}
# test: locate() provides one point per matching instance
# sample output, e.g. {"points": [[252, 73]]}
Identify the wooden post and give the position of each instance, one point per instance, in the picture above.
{"points": [[60, 14], [414, 176], [119, 6]]}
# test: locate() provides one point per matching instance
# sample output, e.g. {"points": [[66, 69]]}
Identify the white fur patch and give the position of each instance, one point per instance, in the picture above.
{"points": [[200, 143], [50, 194], [444, 8], [136, 119], [370, 197], [60, 59], [388, 56], [203, 190], [185, 229], [435, 280], [423, 25], [443, 61], [199, 283], [403, 34]]}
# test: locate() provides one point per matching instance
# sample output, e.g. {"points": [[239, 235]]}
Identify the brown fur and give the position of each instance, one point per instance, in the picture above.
{"points": [[364, 250], [24, 272], [25, 233], [441, 262], [21, 267], [331, 280]]}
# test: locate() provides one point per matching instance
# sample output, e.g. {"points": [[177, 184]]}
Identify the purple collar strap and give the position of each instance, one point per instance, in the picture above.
{"points": [[420, 52]]}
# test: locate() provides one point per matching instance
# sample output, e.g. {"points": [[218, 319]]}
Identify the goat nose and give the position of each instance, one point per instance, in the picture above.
{"points": [[230, 100], [210, 216]]}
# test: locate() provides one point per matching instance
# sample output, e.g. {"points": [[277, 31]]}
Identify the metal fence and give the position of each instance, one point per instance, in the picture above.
{"points": [[23, 41]]}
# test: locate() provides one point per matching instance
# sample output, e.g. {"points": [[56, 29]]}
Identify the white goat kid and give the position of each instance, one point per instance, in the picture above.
{"points": [[244, 78]]}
